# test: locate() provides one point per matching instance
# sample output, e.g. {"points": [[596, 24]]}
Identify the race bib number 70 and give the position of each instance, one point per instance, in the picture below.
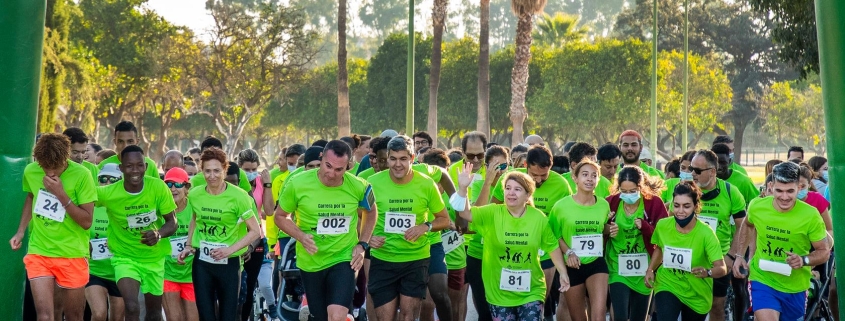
{"points": [[677, 258]]}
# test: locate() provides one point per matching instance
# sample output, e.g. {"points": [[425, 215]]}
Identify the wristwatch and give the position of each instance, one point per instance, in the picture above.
{"points": [[806, 260], [568, 252], [429, 226], [364, 245], [268, 185], [709, 273]]}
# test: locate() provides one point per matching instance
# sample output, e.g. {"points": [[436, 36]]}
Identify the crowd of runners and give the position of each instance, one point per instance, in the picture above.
{"points": [[392, 228]]}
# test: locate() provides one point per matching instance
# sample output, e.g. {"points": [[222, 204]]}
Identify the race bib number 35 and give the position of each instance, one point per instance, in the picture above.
{"points": [[398, 223], [141, 220], [633, 264], [677, 258], [99, 250], [451, 241], [333, 225], [515, 280], [588, 245], [205, 252], [48, 205]]}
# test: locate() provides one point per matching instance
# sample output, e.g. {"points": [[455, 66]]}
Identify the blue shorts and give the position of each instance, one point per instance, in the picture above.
{"points": [[791, 306], [437, 265]]}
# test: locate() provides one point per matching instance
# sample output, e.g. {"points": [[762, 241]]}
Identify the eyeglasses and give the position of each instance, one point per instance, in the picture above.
{"points": [[478, 156], [108, 179], [174, 184], [421, 143], [698, 171]]}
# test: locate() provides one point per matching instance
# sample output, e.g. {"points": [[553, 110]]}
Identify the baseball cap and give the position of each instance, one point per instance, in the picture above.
{"points": [[312, 154], [389, 133], [110, 170], [176, 175], [645, 154]]}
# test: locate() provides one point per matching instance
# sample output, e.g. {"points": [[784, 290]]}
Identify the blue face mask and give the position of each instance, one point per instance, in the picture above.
{"points": [[685, 176], [803, 193], [629, 198], [291, 168], [731, 155], [251, 176], [825, 176]]}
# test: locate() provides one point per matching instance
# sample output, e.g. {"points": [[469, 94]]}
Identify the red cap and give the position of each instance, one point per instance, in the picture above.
{"points": [[176, 175]]}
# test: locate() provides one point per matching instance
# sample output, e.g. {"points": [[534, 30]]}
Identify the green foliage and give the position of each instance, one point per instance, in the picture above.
{"points": [[457, 100], [558, 30], [792, 113], [794, 31]]}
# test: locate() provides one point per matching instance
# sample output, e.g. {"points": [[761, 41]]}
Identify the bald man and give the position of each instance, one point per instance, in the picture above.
{"points": [[532, 140], [172, 158]]}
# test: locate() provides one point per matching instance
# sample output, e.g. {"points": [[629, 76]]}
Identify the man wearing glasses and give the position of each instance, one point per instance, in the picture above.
{"points": [[722, 206], [422, 140]]}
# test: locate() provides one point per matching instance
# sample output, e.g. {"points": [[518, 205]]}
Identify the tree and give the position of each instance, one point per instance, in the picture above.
{"points": [[524, 10], [792, 114], [794, 31], [55, 64], [438, 17], [482, 123], [343, 122], [558, 30], [253, 56]]}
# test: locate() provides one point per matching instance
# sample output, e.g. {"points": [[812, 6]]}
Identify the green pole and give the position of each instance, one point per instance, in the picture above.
{"points": [[409, 107], [685, 116], [22, 22], [831, 35], [654, 81]]}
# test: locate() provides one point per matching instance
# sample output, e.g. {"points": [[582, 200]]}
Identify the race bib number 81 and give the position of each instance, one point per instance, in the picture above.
{"points": [[515, 280]]}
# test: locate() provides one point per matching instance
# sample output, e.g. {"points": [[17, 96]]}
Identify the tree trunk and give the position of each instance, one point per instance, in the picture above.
{"points": [[343, 118], [482, 124], [438, 16], [519, 77], [739, 132]]}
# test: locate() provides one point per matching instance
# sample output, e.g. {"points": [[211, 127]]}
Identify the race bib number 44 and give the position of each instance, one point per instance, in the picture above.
{"points": [[677, 258], [398, 223], [333, 225], [48, 205], [515, 280], [100, 250], [141, 220], [588, 245], [633, 264], [451, 241], [205, 252]]}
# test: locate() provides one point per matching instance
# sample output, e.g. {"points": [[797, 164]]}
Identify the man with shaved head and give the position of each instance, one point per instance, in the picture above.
{"points": [[532, 140], [173, 158]]}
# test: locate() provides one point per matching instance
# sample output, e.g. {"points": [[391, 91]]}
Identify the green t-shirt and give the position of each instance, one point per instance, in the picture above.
{"points": [[243, 181], [95, 171], [152, 168], [720, 211], [511, 264], [456, 259], [698, 248], [475, 243], [218, 217], [275, 172], [744, 185], [435, 173], [581, 227], [602, 188], [173, 271], [49, 237], [330, 214], [779, 233], [737, 167], [100, 267], [144, 211], [666, 194], [272, 231], [401, 207], [367, 173], [354, 169], [628, 250], [651, 171]]}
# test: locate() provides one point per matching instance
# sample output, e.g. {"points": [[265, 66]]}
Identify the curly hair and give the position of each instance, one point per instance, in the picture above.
{"points": [[52, 151], [214, 154]]}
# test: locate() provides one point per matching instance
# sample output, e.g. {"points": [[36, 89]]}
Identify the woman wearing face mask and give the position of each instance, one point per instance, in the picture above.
{"points": [[687, 258], [635, 209], [813, 198], [685, 174], [820, 177], [101, 291], [178, 300], [580, 223]]}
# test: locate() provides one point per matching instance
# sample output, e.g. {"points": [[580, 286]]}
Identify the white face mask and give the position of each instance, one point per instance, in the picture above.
{"points": [[291, 168]]}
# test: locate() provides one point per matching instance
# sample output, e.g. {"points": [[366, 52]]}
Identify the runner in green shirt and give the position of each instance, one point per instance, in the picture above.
{"points": [[727, 140], [126, 134], [580, 222], [410, 206], [784, 230], [326, 202], [59, 202], [741, 181], [579, 152], [79, 148], [685, 175], [102, 293], [631, 144], [141, 213], [179, 299], [516, 234], [688, 256], [199, 180]]}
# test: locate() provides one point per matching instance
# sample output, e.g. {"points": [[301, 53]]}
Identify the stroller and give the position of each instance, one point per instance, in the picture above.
{"points": [[818, 307]]}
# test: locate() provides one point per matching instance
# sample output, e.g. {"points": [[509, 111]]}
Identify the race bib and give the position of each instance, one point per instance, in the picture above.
{"points": [[398, 223], [712, 222], [515, 280], [333, 225], [205, 252], [451, 241], [99, 250], [177, 245], [633, 264], [141, 220], [588, 245], [677, 258], [48, 205]]}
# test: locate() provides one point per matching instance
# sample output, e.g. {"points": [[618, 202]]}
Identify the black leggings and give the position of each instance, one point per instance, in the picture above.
{"points": [[670, 307], [476, 284], [216, 282], [251, 269], [627, 304]]}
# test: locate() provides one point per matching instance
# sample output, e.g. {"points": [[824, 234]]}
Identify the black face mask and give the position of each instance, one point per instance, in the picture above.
{"points": [[684, 222]]}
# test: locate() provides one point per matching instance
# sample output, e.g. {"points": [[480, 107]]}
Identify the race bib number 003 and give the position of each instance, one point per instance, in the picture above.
{"points": [[333, 225], [398, 223], [515, 280], [677, 258], [100, 250], [177, 245], [451, 241], [48, 205], [205, 252], [633, 264], [141, 220], [588, 245]]}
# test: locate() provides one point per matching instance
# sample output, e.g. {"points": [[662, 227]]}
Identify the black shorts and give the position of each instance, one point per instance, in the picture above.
{"points": [[111, 286], [580, 275], [720, 286], [334, 285], [547, 264], [388, 280], [438, 260]]}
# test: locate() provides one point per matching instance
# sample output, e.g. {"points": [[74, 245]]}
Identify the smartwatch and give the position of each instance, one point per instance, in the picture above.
{"points": [[364, 245], [429, 226], [806, 260], [268, 185]]}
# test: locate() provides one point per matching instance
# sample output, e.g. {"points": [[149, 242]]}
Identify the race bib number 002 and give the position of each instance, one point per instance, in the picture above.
{"points": [[48, 205], [141, 220], [205, 252], [398, 223], [333, 225], [633, 264], [451, 241], [515, 280], [100, 250], [677, 258], [588, 245]]}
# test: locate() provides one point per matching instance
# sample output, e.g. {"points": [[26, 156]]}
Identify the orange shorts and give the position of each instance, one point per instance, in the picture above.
{"points": [[69, 273], [186, 290]]}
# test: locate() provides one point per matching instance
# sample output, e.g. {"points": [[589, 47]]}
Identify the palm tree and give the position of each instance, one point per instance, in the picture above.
{"points": [[558, 30], [343, 118], [524, 11], [482, 124], [438, 16]]}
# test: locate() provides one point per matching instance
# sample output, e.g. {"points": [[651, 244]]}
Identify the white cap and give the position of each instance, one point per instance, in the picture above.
{"points": [[389, 133], [645, 154], [110, 170]]}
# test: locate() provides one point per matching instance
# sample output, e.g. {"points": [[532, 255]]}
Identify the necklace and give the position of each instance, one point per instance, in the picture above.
{"points": [[520, 214]]}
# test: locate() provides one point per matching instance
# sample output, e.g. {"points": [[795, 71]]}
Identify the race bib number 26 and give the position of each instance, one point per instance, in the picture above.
{"points": [[141, 220]]}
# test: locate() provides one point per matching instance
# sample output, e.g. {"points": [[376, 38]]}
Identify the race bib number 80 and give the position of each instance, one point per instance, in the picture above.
{"points": [[633, 264]]}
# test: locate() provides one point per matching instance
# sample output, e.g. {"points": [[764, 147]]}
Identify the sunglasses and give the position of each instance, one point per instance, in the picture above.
{"points": [[478, 156], [698, 171], [108, 179], [174, 184]]}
